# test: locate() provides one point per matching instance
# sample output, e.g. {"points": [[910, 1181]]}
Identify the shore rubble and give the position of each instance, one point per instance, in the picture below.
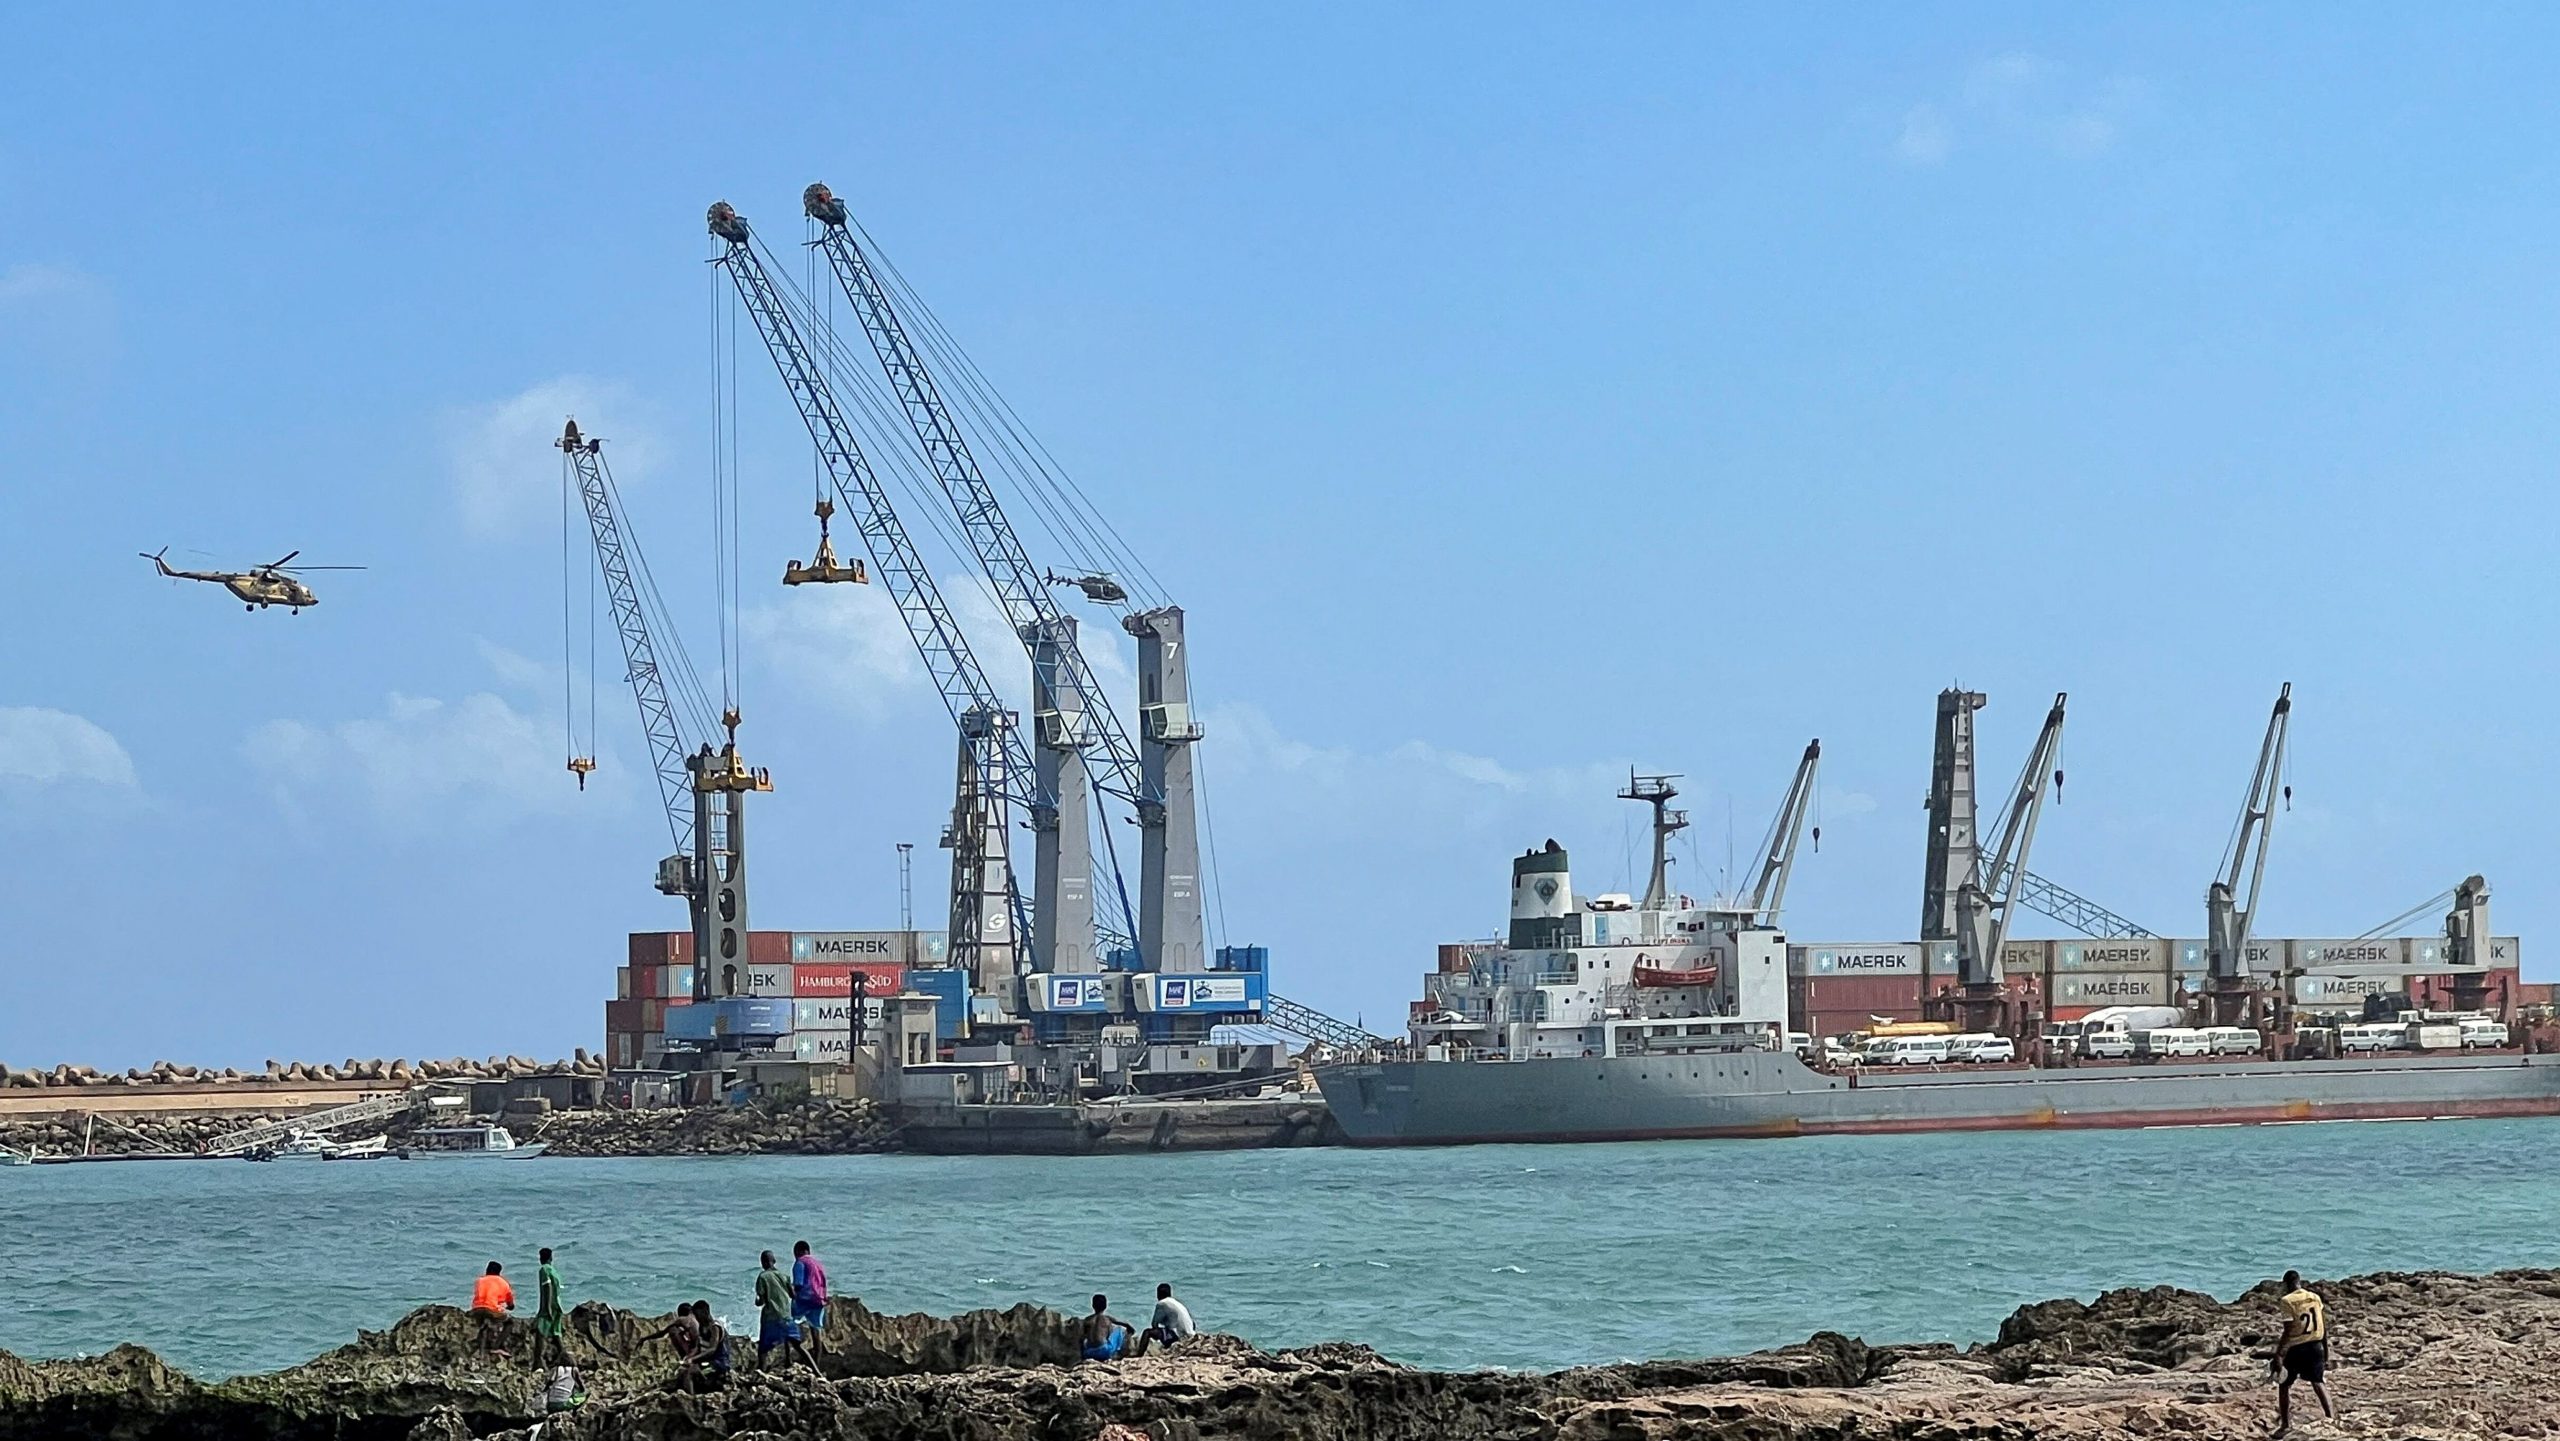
{"points": [[2425, 1355]]}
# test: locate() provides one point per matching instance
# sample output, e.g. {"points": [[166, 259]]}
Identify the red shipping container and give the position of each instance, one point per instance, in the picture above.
{"points": [[768, 948], [639, 1018], [661, 948], [1832, 993], [879, 978]]}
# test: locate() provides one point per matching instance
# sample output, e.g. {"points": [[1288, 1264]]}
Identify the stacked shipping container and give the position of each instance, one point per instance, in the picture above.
{"points": [[814, 1021]]}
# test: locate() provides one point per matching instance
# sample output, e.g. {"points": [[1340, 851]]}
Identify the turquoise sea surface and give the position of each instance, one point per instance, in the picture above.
{"points": [[1524, 1256]]}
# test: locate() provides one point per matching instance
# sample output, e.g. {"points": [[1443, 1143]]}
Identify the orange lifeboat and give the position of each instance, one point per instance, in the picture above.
{"points": [[1675, 976]]}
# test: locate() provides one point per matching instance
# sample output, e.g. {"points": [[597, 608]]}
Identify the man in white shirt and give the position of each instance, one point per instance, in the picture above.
{"points": [[1171, 1322]]}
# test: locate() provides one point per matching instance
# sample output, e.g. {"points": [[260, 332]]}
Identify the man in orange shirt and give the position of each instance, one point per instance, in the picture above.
{"points": [[493, 1300]]}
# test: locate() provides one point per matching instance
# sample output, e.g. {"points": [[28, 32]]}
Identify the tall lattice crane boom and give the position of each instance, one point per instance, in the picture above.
{"points": [[1017, 582], [954, 668], [667, 749]]}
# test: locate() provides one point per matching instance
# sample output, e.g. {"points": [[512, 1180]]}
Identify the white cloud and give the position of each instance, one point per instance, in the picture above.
{"points": [[506, 472], [2019, 97], [42, 282], [847, 645], [39, 746], [1925, 137], [423, 761], [1247, 741], [2005, 80]]}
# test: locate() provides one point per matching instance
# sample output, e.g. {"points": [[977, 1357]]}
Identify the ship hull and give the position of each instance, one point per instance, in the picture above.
{"points": [[1765, 1094]]}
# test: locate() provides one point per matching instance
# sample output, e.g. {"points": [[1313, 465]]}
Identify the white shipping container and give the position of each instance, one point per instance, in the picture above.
{"points": [[836, 1014], [2347, 958], [2342, 990], [2025, 958], [622, 983], [2118, 956], [836, 948], [835, 1046], [2264, 958], [1882, 958], [772, 981], [2101, 988]]}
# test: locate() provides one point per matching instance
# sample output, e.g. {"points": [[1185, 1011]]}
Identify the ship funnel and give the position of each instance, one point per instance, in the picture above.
{"points": [[1542, 913]]}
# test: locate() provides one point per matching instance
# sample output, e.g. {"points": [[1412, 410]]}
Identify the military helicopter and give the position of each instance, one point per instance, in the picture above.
{"points": [[274, 583], [1101, 587]]}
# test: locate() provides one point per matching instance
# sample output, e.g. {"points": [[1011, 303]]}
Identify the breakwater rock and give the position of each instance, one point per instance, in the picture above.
{"points": [[286, 1073], [811, 1127], [2412, 1355], [67, 1134]]}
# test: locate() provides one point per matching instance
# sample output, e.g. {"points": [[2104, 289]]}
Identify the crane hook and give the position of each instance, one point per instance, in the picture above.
{"points": [[2288, 798]]}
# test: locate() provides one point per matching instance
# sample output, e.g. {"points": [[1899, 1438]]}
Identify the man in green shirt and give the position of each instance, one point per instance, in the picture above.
{"points": [[550, 1320], [773, 1310]]}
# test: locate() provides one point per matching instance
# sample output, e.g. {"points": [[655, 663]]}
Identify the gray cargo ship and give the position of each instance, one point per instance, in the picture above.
{"points": [[1615, 1018], [1767, 1093]]}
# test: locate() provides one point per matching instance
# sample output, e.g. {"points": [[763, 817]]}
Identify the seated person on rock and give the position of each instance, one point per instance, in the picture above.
{"points": [[1103, 1335], [1171, 1322]]}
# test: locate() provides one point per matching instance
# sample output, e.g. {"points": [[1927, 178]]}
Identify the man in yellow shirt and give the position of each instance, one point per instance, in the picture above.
{"points": [[2302, 1352]]}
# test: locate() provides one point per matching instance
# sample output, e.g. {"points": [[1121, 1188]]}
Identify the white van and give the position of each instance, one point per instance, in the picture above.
{"points": [[1981, 1048], [2481, 1033], [2233, 1041], [2106, 1043], [1907, 1051], [2371, 1037], [2171, 1042]]}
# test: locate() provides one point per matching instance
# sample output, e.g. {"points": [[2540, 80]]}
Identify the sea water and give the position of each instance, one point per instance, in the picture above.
{"points": [[1520, 1256]]}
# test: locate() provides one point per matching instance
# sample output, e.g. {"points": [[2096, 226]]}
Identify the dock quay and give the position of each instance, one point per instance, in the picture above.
{"points": [[1134, 1126]]}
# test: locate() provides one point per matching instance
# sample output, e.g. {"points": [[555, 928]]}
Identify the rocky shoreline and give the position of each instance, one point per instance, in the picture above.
{"points": [[816, 1126], [2414, 1355]]}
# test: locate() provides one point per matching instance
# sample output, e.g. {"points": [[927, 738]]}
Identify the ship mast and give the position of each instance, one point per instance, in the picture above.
{"points": [[1658, 792]]}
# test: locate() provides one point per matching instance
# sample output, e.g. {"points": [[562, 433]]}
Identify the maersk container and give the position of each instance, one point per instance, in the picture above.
{"points": [[2343, 990], [843, 947], [836, 1015], [2386, 955], [2119, 957], [766, 980], [1880, 958], [2025, 957], [2101, 988]]}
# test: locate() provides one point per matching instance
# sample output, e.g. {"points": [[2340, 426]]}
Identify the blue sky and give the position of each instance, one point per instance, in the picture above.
{"points": [[1509, 396]]}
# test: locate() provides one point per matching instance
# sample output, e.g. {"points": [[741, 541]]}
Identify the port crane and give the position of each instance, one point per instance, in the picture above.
{"points": [[1071, 715], [1768, 895], [702, 791], [994, 771], [1985, 900], [2228, 908], [1955, 852]]}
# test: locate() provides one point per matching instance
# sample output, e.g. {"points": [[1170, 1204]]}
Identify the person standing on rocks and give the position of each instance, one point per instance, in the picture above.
{"points": [[1103, 1334], [550, 1321], [773, 1312], [493, 1300], [809, 1296], [1171, 1322], [2302, 1352]]}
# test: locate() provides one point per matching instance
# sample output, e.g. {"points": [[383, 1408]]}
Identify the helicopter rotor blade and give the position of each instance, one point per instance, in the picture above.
{"points": [[280, 564], [299, 569]]}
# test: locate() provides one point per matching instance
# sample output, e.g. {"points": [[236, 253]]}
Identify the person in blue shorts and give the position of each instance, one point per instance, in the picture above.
{"points": [[809, 1297], [1104, 1334], [773, 1314]]}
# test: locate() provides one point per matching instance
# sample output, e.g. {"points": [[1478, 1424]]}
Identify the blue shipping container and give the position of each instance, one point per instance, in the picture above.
{"points": [[949, 987], [1244, 958], [754, 1016]]}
